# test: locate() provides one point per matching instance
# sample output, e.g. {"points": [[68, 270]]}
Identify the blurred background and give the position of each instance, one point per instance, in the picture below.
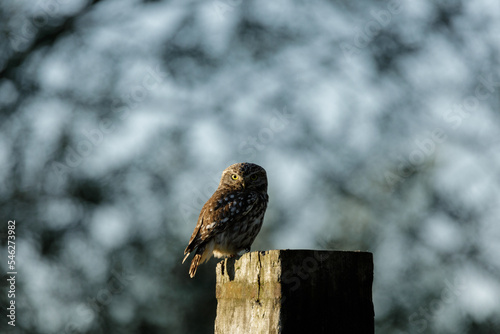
{"points": [[377, 121]]}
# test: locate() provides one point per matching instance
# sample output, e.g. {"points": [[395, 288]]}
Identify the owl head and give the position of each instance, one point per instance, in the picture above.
{"points": [[244, 176]]}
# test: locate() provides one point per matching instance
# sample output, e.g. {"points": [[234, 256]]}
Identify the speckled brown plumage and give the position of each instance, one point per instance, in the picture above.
{"points": [[231, 219]]}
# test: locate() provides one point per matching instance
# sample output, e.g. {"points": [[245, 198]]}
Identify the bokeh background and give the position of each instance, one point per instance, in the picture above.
{"points": [[377, 121]]}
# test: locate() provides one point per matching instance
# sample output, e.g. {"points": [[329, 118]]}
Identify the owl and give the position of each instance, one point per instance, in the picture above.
{"points": [[231, 219]]}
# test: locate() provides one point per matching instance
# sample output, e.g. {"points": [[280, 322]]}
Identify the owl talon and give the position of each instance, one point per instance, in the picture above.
{"points": [[247, 250]]}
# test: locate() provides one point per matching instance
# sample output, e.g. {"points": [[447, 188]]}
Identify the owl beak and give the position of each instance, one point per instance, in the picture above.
{"points": [[243, 185]]}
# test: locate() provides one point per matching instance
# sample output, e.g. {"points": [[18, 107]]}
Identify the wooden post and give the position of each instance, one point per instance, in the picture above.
{"points": [[295, 291]]}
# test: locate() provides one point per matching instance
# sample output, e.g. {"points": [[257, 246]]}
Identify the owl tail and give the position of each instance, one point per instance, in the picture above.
{"points": [[194, 265], [199, 257], [203, 253]]}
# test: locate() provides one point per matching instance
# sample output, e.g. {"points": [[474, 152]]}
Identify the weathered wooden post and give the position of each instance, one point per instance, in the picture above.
{"points": [[295, 291]]}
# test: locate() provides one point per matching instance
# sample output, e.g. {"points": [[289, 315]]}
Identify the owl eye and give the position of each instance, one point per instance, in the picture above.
{"points": [[234, 177], [254, 177]]}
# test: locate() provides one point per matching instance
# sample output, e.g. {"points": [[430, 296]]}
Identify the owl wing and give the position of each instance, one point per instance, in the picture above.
{"points": [[195, 239], [217, 214]]}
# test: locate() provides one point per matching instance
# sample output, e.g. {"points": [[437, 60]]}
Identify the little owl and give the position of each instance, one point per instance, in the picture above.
{"points": [[231, 219]]}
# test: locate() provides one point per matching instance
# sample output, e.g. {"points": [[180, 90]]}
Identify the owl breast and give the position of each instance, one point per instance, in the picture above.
{"points": [[240, 234]]}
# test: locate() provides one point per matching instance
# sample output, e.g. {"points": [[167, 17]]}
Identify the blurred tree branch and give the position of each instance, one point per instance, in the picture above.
{"points": [[45, 35]]}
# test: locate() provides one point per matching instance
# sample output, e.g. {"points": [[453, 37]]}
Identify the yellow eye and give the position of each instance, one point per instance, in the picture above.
{"points": [[234, 177], [254, 177]]}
